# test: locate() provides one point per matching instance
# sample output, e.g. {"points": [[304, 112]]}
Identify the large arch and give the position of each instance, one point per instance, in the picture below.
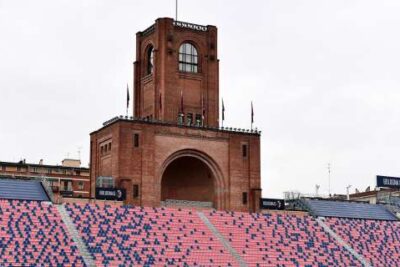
{"points": [[178, 169]]}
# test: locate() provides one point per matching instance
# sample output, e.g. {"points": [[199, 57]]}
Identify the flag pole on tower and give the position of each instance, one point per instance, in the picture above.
{"points": [[223, 112], [252, 115], [127, 99], [176, 10], [203, 110], [181, 107]]}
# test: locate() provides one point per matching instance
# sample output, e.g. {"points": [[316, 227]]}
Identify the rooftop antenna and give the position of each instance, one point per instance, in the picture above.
{"points": [[79, 152]]}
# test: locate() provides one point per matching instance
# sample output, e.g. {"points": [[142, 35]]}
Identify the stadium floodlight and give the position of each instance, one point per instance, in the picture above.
{"points": [[347, 191], [317, 186]]}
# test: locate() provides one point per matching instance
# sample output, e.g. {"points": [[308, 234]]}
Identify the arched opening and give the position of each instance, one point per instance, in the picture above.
{"points": [[188, 179], [150, 60]]}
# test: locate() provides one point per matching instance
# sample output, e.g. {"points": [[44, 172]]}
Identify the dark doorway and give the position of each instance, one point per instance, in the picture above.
{"points": [[187, 178]]}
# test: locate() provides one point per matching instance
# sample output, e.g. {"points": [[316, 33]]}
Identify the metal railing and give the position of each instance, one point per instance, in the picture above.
{"points": [[254, 131], [190, 26]]}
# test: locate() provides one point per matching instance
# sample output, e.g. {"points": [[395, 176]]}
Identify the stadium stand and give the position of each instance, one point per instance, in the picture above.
{"points": [[121, 236], [280, 240], [344, 209], [32, 234], [376, 240], [22, 190]]}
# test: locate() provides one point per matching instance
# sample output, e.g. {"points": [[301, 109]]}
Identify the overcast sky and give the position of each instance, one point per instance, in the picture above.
{"points": [[324, 77]]}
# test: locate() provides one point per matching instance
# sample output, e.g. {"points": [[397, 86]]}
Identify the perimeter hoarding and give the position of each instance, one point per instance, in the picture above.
{"points": [[387, 181]]}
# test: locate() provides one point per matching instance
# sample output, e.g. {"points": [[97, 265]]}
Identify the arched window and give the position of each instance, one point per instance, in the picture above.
{"points": [[150, 60], [188, 58]]}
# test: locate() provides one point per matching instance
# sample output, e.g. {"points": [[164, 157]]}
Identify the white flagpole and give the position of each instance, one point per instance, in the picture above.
{"points": [[176, 10], [127, 99], [252, 115]]}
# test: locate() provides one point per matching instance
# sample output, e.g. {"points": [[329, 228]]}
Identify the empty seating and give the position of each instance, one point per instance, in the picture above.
{"points": [[32, 234], [345, 209], [22, 190], [125, 236], [377, 241], [280, 240]]}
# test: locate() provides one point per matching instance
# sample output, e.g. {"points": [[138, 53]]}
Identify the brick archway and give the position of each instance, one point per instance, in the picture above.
{"points": [[219, 187]]}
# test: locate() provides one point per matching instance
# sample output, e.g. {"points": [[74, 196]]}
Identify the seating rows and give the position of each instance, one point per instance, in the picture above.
{"points": [[377, 241], [280, 240], [32, 234], [121, 236]]}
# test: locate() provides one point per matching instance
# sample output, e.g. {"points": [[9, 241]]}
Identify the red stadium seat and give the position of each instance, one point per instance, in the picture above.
{"points": [[32, 233]]}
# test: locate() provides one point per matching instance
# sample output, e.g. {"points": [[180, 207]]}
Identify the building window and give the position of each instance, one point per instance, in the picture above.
{"points": [[49, 170], [66, 185], [244, 151], [35, 169], [135, 191], [188, 58], [150, 60], [244, 198], [80, 185], [136, 140], [109, 147], [3, 168], [64, 171]]}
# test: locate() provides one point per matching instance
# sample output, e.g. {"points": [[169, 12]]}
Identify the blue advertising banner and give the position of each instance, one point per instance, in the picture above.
{"points": [[386, 181]]}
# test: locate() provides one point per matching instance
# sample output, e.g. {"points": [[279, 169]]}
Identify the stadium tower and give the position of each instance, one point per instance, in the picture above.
{"points": [[173, 151]]}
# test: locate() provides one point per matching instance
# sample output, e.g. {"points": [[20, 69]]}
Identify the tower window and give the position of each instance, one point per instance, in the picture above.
{"points": [[135, 191], [188, 58], [244, 151], [136, 140], [150, 60], [244, 198]]}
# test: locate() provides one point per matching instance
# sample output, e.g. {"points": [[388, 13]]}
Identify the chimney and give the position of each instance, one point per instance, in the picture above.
{"points": [[41, 162]]}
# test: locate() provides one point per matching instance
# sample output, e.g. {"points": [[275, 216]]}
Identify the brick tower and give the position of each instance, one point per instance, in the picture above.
{"points": [[162, 82], [173, 152]]}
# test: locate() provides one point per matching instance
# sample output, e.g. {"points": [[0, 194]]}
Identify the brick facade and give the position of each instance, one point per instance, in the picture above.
{"points": [[160, 158]]}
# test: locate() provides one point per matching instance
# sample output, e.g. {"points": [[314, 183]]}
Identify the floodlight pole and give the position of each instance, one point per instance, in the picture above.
{"points": [[329, 179], [347, 191]]}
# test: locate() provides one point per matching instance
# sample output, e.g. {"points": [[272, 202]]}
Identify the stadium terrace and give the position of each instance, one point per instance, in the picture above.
{"points": [[172, 186]]}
